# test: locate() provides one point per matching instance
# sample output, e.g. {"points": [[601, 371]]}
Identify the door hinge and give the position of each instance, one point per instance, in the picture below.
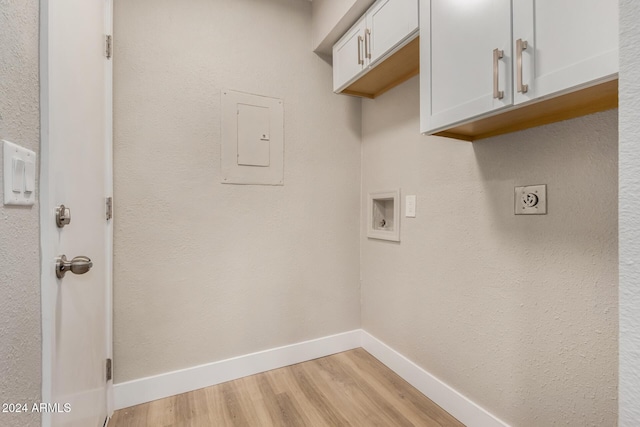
{"points": [[109, 46], [109, 370], [109, 211]]}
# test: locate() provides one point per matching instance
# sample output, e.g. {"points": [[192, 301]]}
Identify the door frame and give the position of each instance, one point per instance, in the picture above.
{"points": [[47, 223]]}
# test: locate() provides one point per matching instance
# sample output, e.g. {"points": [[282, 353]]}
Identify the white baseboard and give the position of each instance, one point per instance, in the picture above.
{"points": [[164, 385], [466, 411]]}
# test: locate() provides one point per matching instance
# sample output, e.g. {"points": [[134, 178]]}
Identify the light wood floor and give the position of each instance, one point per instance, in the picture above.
{"points": [[346, 389]]}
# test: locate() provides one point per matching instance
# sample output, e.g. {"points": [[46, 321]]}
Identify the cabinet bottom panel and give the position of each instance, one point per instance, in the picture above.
{"points": [[396, 69], [592, 99]]}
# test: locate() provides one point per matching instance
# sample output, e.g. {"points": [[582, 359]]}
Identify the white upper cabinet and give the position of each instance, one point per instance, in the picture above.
{"points": [[388, 23], [569, 43], [466, 61], [384, 29], [483, 59], [349, 55]]}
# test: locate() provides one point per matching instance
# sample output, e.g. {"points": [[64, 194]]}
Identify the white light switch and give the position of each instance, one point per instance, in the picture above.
{"points": [[19, 175], [410, 207], [30, 176]]}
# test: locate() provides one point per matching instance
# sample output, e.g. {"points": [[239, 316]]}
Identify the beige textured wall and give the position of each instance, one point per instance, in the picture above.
{"points": [[331, 19], [518, 313], [629, 402], [206, 271], [326, 14], [20, 343]]}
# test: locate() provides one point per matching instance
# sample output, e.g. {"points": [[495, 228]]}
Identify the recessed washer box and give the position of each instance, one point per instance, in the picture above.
{"points": [[252, 139], [383, 215]]}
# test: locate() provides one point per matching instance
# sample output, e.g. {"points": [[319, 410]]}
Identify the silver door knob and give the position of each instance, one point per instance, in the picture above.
{"points": [[78, 265]]}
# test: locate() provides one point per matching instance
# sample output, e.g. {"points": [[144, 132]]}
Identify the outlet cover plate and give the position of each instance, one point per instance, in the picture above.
{"points": [[531, 200]]}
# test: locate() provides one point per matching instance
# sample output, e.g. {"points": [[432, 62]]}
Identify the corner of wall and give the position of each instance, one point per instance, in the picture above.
{"points": [[20, 317], [629, 217]]}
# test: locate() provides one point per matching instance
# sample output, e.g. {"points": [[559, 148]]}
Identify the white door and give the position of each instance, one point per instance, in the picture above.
{"points": [[348, 56], [76, 172], [569, 43], [389, 23], [457, 62]]}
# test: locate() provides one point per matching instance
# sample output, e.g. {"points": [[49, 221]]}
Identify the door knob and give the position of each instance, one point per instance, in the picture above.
{"points": [[78, 265]]}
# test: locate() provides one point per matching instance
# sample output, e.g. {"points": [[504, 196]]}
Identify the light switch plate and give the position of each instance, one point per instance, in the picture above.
{"points": [[531, 200], [410, 206], [19, 174]]}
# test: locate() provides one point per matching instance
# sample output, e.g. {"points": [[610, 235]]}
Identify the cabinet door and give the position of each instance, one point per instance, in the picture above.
{"points": [[571, 43], [389, 23], [457, 42], [348, 56]]}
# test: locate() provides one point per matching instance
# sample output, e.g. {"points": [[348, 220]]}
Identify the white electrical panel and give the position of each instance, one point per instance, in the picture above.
{"points": [[252, 139], [253, 135], [19, 176]]}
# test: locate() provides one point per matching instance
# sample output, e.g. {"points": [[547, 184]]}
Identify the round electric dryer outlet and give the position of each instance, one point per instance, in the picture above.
{"points": [[531, 200]]}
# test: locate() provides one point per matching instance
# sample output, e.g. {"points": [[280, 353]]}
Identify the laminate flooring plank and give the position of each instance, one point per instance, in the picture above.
{"points": [[339, 396], [135, 416], [398, 395], [183, 407], [284, 381], [253, 401], [398, 391], [281, 380], [418, 401], [216, 407], [367, 395], [290, 411], [327, 410], [280, 406], [350, 389], [233, 408], [203, 408], [347, 391], [159, 412], [390, 401]]}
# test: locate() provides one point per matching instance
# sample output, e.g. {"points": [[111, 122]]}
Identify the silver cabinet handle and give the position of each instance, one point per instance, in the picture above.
{"points": [[520, 46], [360, 60], [78, 265], [367, 43], [497, 55]]}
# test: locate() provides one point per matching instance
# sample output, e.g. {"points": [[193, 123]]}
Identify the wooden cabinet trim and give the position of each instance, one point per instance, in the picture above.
{"points": [[390, 72], [589, 100]]}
